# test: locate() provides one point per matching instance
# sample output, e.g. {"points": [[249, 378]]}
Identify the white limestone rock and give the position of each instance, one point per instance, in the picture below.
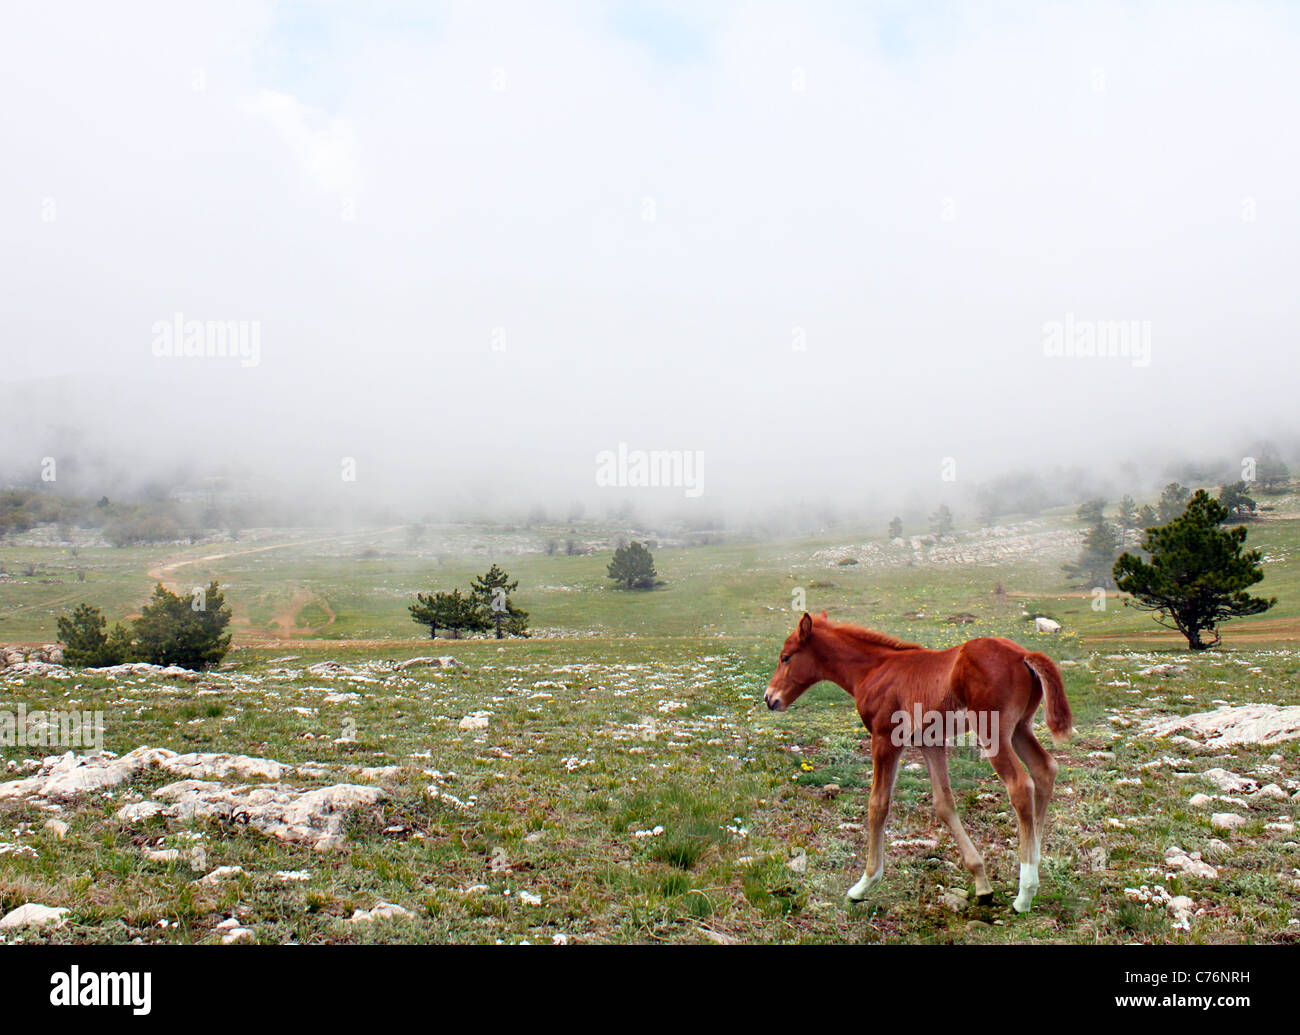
{"points": [[33, 914]]}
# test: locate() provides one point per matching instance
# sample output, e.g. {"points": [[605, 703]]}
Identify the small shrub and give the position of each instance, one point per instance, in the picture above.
{"points": [[85, 642], [189, 631]]}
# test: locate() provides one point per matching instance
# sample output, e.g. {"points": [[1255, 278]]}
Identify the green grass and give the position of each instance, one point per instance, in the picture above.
{"points": [[644, 713], [741, 589], [595, 762]]}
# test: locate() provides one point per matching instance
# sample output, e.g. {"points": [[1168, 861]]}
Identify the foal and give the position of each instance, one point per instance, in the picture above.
{"points": [[900, 687]]}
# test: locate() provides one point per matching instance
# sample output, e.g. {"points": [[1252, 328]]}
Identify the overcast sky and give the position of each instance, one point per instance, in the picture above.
{"points": [[822, 243]]}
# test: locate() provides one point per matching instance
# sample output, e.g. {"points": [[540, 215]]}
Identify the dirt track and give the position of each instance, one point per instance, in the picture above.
{"points": [[1269, 630], [157, 573], [287, 618]]}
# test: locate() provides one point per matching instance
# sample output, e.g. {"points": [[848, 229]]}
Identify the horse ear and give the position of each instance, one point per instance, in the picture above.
{"points": [[824, 616], [805, 627]]}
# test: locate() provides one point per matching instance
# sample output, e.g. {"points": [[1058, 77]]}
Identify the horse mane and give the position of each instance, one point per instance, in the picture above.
{"points": [[869, 637]]}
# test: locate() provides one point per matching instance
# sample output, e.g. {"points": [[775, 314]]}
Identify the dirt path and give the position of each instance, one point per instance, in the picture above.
{"points": [[1082, 595], [1269, 630], [159, 572], [286, 619]]}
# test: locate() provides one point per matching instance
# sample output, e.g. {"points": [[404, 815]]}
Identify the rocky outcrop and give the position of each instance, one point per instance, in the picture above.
{"points": [[33, 914], [48, 661], [143, 668], [47, 654], [446, 661], [1233, 724], [313, 817], [382, 911], [62, 777], [205, 767], [1189, 863]]}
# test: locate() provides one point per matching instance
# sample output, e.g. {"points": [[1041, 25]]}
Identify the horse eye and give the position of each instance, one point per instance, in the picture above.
{"points": [[785, 658]]}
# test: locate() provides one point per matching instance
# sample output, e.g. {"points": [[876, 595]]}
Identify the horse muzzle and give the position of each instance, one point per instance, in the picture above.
{"points": [[773, 702]]}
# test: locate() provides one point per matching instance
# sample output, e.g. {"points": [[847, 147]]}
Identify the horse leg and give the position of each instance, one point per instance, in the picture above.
{"points": [[884, 768], [1042, 770], [936, 760], [1021, 790]]}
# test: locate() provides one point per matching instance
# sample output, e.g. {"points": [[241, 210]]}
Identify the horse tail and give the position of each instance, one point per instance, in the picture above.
{"points": [[1060, 721]]}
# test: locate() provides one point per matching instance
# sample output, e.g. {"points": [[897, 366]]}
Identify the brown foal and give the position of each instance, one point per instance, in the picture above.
{"points": [[908, 695]]}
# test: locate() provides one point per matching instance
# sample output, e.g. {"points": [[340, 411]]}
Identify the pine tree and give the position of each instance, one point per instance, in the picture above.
{"points": [[896, 528], [1128, 514], [452, 611], [85, 643], [1172, 501], [633, 566], [513, 619], [484, 588], [1091, 511], [1197, 575], [1240, 506], [1272, 473], [189, 631], [1100, 548], [941, 520], [426, 611], [459, 613], [491, 595], [462, 612], [82, 635]]}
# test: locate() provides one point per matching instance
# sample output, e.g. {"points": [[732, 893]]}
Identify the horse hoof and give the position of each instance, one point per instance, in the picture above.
{"points": [[984, 900], [1020, 907]]}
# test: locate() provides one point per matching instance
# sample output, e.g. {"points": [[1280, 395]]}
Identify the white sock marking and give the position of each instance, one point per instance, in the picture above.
{"points": [[1028, 886]]}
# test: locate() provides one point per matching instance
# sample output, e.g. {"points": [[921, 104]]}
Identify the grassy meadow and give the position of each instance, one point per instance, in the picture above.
{"points": [[628, 785]]}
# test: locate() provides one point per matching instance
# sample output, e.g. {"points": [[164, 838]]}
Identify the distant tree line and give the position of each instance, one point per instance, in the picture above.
{"points": [[1029, 492], [1105, 541], [120, 522]]}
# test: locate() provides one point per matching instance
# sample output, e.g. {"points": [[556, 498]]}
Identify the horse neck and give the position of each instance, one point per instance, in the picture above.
{"points": [[846, 662]]}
